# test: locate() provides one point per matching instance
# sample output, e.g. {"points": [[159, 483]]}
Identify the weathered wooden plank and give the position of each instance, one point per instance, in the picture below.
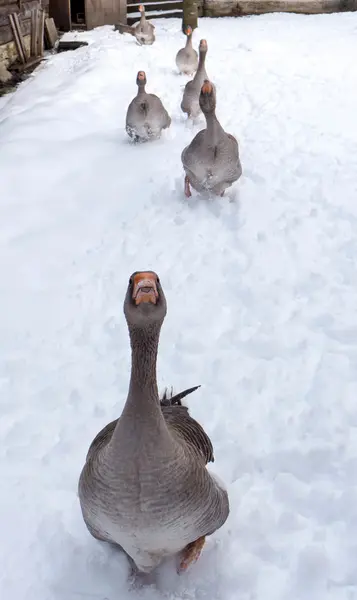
{"points": [[51, 33], [177, 5], [41, 32], [8, 3], [104, 12], [6, 33], [24, 14], [156, 15], [33, 62], [17, 35], [21, 36], [223, 8], [15, 8], [34, 32]]}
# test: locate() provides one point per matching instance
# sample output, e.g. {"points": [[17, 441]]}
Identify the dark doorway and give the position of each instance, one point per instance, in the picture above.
{"points": [[60, 10], [78, 16]]}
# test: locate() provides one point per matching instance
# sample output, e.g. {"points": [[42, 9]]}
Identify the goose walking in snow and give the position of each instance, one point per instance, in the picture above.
{"points": [[146, 116], [187, 57], [143, 31], [190, 100], [145, 486], [211, 161]]}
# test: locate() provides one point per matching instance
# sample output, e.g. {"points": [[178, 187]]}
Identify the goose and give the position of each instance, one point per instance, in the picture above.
{"points": [[190, 104], [143, 31], [187, 57], [144, 486], [211, 161], [146, 116]]}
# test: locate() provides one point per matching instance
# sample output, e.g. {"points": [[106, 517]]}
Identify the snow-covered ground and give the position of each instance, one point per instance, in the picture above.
{"points": [[262, 304]]}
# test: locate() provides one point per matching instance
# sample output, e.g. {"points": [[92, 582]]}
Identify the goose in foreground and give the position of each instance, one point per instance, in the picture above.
{"points": [[146, 116], [211, 161], [187, 57], [190, 99], [145, 486], [143, 31]]}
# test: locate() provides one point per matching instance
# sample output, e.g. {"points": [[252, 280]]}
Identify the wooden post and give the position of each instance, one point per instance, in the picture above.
{"points": [[189, 14]]}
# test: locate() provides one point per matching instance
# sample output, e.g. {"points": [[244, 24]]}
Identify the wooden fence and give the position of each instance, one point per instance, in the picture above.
{"points": [[157, 9], [222, 8]]}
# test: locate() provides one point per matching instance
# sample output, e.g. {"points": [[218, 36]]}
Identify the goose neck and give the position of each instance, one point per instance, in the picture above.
{"points": [[141, 89], [213, 126]]}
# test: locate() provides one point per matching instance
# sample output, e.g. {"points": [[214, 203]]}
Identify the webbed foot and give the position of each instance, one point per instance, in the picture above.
{"points": [[191, 554], [187, 187]]}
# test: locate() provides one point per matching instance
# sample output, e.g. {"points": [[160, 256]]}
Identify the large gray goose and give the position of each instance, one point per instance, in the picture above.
{"points": [[190, 99], [211, 161], [145, 486], [143, 30], [187, 57], [146, 116]]}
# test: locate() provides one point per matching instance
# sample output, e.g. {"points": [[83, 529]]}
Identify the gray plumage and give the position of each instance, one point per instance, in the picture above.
{"points": [[187, 57], [177, 418], [144, 486], [211, 161], [190, 99], [143, 30], [146, 116]]}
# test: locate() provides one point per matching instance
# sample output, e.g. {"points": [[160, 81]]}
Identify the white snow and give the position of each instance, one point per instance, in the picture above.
{"points": [[262, 304]]}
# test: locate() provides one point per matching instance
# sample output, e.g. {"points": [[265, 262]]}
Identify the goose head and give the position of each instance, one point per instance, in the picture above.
{"points": [[141, 79], [141, 9], [207, 98], [202, 48], [145, 302]]}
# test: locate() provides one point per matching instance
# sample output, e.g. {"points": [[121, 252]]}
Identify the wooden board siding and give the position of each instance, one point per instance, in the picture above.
{"points": [[12, 6], [104, 12], [156, 9], [227, 8]]}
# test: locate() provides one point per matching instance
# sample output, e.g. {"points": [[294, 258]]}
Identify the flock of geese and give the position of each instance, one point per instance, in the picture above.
{"points": [[211, 161], [145, 487]]}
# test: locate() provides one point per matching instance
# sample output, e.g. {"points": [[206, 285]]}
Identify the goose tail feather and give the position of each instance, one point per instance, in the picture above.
{"points": [[170, 399]]}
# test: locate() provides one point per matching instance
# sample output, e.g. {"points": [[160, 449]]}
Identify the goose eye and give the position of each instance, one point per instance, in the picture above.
{"points": [[158, 280], [131, 281]]}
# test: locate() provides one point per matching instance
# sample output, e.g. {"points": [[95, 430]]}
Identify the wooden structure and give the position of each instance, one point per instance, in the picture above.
{"points": [[22, 27], [86, 14], [227, 8], [155, 9], [191, 9]]}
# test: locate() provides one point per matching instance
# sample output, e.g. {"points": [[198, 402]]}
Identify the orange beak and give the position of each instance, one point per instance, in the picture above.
{"points": [[145, 288], [207, 87]]}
